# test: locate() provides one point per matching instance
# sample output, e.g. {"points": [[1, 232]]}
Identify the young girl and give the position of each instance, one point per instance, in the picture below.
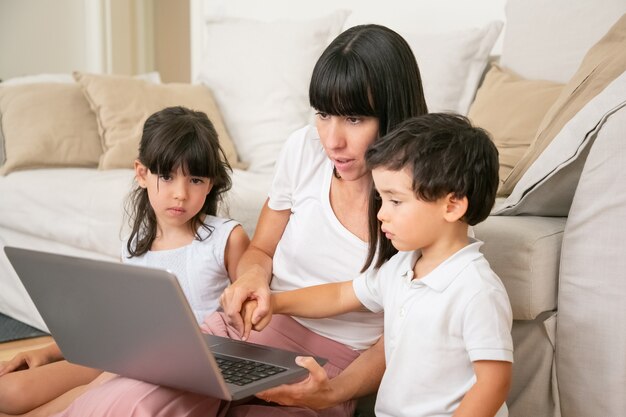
{"points": [[181, 176]]}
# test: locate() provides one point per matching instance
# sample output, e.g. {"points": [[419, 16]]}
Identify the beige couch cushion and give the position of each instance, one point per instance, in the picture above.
{"points": [[605, 61], [122, 104], [47, 125], [510, 108], [524, 251]]}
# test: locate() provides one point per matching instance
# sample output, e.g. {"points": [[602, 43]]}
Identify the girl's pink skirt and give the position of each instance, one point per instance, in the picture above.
{"points": [[128, 397]]}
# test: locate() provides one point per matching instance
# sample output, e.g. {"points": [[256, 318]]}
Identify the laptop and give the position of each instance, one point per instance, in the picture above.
{"points": [[136, 322]]}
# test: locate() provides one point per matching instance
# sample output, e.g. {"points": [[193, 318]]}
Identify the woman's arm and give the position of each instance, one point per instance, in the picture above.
{"points": [[360, 378], [237, 243], [254, 269]]}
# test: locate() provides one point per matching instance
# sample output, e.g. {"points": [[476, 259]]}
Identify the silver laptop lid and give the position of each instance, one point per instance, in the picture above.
{"points": [[101, 316]]}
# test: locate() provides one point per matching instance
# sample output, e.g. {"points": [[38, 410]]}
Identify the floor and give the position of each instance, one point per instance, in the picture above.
{"points": [[9, 349]]}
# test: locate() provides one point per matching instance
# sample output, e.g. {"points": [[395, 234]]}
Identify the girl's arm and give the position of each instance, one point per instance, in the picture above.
{"points": [[237, 243], [32, 358], [254, 269], [493, 381]]}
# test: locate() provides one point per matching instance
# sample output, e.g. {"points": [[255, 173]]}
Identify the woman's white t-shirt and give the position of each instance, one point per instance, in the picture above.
{"points": [[199, 266], [315, 247]]}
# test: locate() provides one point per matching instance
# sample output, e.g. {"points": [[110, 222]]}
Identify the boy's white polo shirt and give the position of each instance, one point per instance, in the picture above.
{"points": [[435, 327]]}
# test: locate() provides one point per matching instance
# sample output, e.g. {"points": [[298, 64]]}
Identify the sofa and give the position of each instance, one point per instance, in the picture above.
{"points": [[546, 79]]}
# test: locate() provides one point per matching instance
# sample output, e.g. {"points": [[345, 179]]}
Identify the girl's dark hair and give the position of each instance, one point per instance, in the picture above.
{"points": [[369, 70], [445, 154], [176, 137]]}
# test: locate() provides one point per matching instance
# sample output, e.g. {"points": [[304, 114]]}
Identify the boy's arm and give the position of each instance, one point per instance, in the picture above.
{"points": [[493, 381], [318, 301]]}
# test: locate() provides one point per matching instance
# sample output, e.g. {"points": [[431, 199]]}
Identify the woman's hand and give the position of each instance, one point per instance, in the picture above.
{"points": [[252, 285], [315, 391], [31, 359]]}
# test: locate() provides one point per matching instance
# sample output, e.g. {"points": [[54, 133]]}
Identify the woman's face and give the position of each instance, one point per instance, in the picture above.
{"points": [[345, 139]]}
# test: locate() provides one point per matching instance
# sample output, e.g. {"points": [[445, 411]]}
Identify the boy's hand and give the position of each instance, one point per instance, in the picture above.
{"points": [[247, 315], [29, 359]]}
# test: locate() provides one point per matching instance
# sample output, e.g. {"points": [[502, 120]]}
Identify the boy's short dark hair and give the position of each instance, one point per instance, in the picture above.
{"points": [[446, 154]]}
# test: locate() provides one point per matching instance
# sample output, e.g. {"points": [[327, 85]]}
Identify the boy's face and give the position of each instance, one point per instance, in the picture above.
{"points": [[410, 223]]}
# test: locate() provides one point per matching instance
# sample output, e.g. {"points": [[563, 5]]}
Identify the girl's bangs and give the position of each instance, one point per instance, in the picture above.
{"points": [[194, 157]]}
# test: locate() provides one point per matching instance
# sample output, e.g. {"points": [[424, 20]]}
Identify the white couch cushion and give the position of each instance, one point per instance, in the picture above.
{"points": [[547, 40], [591, 364], [88, 212], [451, 64], [259, 73]]}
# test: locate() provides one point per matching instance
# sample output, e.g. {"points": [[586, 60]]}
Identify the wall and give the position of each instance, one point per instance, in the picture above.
{"points": [[47, 36], [59, 36], [172, 57]]}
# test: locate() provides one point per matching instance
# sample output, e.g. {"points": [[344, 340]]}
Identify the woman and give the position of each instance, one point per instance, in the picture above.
{"points": [[313, 228]]}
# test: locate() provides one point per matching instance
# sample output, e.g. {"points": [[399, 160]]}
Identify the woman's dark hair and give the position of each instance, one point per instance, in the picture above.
{"points": [[445, 154], [176, 137], [369, 70]]}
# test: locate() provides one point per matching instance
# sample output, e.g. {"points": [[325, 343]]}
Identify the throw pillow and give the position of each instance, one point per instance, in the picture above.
{"points": [[122, 104], [549, 185], [259, 73], [452, 64], [47, 125], [605, 61], [510, 108]]}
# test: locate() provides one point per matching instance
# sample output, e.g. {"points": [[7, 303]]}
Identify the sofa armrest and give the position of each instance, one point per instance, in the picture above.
{"points": [[525, 251]]}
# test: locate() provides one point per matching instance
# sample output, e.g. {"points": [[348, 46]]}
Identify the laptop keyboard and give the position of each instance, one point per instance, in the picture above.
{"points": [[242, 371]]}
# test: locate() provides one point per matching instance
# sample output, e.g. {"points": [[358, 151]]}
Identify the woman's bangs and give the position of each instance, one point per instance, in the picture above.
{"points": [[339, 88]]}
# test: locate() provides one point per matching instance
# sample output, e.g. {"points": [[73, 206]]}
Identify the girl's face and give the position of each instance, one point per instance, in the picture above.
{"points": [[175, 198], [345, 140]]}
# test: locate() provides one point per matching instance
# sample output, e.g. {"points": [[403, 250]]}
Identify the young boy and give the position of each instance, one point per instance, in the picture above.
{"points": [[448, 319]]}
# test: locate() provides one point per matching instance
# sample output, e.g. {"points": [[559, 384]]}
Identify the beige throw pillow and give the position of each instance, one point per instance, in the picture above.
{"points": [[47, 125], [122, 104], [510, 108], [602, 64]]}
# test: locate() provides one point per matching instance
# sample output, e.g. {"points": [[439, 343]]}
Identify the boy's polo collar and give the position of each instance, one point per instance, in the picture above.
{"points": [[441, 277]]}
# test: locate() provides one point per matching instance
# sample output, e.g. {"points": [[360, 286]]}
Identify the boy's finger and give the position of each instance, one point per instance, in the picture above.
{"points": [[247, 321], [261, 310]]}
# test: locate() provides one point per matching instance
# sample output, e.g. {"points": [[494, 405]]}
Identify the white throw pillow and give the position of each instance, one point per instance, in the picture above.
{"points": [[259, 73], [452, 64]]}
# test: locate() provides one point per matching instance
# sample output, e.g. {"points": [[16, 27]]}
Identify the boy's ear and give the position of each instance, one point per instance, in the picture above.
{"points": [[141, 172], [455, 208]]}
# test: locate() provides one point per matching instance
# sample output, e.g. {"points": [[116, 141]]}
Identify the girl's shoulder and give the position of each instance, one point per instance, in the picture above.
{"points": [[215, 225]]}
